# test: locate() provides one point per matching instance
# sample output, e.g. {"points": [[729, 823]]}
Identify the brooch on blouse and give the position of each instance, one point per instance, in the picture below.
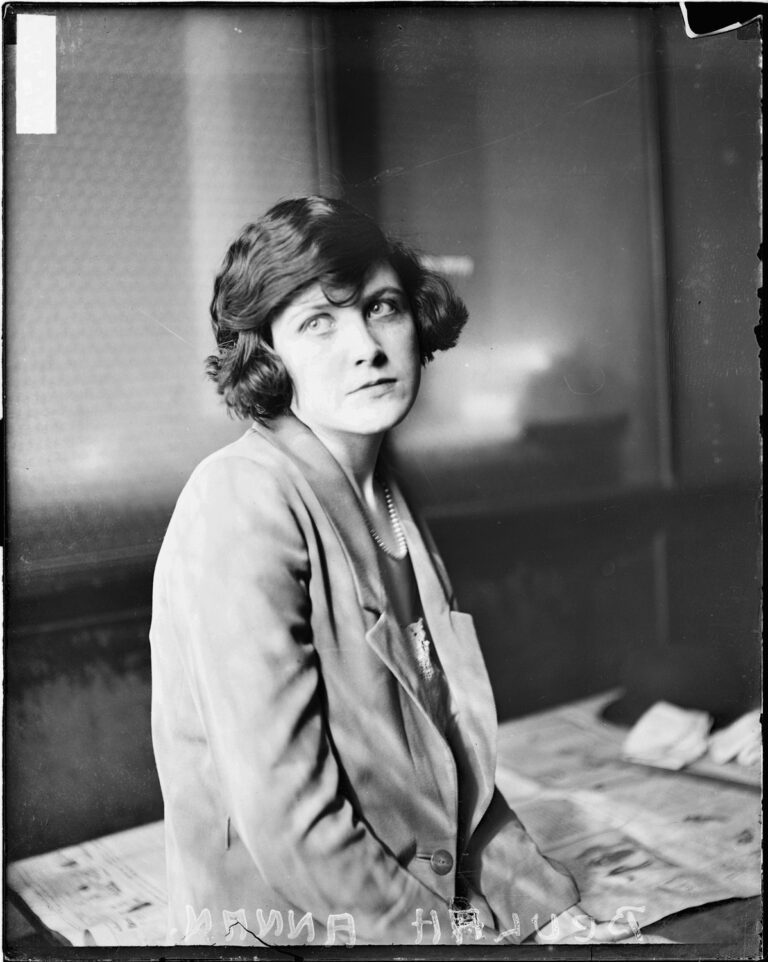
{"points": [[418, 636]]}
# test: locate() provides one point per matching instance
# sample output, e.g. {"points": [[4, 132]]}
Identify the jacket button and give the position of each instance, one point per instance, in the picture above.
{"points": [[441, 862]]}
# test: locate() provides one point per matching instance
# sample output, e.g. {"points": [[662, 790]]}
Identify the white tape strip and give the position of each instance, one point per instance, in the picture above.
{"points": [[35, 74]]}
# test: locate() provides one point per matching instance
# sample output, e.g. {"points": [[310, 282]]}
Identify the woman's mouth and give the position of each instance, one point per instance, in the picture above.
{"points": [[381, 384]]}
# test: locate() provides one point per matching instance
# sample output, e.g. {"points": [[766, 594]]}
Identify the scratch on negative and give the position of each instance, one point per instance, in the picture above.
{"points": [[614, 90], [398, 171], [164, 327]]}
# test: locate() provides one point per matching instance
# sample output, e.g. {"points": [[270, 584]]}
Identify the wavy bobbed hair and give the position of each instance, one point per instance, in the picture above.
{"points": [[298, 243]]}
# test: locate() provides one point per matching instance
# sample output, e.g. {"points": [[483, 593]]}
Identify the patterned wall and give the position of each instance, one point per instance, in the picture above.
{"points": [[175, 128]]}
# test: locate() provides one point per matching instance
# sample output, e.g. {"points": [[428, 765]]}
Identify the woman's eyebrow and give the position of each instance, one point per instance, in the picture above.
{"points": [[320, 306], [302, 310]]}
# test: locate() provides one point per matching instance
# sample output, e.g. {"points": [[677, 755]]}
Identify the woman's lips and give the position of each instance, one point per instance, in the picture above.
{"points": [[381, 382]]}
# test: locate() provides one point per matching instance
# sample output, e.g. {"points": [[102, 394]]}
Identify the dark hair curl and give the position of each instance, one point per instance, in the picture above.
{"points": [[295, 244]]}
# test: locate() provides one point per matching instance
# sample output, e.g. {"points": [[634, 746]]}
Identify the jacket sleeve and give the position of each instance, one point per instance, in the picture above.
{"points": [[524, 889], [239, 590]]}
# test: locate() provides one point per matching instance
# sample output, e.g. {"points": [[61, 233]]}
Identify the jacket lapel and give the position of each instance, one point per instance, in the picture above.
{"points": [[453, 635]]}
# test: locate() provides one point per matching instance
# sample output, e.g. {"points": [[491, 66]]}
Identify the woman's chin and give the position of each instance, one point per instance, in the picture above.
{"points": [[379, 418]]}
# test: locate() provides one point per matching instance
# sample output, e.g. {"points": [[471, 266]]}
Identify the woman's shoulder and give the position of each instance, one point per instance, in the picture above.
{"points": [[252, 447], [249, 467], [242, 495]]}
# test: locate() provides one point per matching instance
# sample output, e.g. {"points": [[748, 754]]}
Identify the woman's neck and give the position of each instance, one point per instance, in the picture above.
{"points": [[357, 454]]}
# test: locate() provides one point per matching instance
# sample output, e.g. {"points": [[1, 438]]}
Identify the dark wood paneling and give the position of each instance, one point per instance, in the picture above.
{"points": [[78, 751], [658, 593]]}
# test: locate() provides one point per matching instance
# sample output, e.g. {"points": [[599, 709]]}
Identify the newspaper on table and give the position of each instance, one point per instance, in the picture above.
{"points": [[110, 891], [657, 842], [641, 844]]}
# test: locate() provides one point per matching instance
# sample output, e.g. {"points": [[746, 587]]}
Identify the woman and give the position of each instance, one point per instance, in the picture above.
{"points": [[323, 723]]}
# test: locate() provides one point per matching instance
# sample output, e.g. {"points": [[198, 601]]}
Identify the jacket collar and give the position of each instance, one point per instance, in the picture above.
{"points": [[337, 497]]}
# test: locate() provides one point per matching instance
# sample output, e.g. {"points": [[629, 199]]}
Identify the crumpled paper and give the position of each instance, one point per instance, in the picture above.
{"points": [[740, 742], [668, 737]]}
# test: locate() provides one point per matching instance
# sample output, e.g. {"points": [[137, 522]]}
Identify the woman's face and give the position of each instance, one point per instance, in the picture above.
{"points": [[355, 369]]}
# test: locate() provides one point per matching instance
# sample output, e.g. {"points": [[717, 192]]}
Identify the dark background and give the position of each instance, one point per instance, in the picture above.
{"points": [[588, 457]]}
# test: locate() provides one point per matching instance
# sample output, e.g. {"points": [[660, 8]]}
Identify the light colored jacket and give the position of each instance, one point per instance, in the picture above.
{"points": [[309, 797]]}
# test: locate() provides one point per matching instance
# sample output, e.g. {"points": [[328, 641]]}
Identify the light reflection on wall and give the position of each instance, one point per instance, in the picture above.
{"points": [[523, 141], [481, 396]]}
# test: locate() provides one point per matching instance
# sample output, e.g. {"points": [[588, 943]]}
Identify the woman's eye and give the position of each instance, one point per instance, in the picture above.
{"points": [[382, 308], [319, 324]]}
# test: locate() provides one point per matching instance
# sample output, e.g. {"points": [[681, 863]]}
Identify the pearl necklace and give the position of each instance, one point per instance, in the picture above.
{"points": [[397, 528]]}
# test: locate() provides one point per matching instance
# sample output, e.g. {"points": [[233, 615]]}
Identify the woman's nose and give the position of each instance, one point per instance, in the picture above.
{"points": [[363, 345]]}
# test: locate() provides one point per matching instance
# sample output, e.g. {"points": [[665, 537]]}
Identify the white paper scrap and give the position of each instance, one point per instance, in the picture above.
{"points": [[668, 736], [741, 741]]}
